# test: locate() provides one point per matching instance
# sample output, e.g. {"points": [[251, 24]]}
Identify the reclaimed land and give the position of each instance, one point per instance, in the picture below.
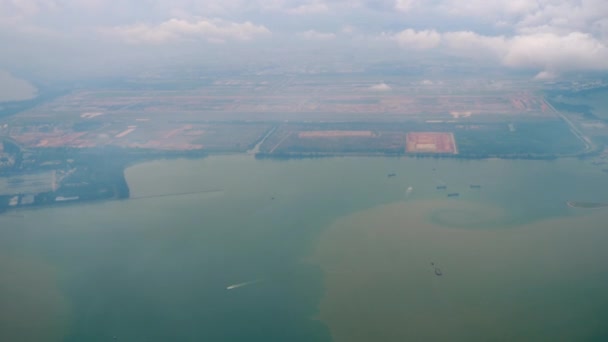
{"points": [[530, 139], [79, 175], [87, 137]]}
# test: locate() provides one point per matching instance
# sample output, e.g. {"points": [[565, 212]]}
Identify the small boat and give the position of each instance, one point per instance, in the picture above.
{"points": [[438, 272]]}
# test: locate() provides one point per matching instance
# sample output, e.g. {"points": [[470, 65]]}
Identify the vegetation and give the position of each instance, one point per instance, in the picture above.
{"points": [[529, 140], [542, 139]]}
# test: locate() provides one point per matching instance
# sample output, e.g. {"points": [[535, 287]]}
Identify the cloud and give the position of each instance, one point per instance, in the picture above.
{"points": [[489, 9], [551, 36], [212, 30], [405, 5], [348, 29], [25, 8], [380, 87], [314, 35], [472, 45], [548, 52], [14, 89], [312, 8], [555, 53], [545, 75], [418, 40]]}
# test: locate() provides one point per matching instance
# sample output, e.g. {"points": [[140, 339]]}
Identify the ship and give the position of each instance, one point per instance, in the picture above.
{"points": [[454, 194], [437, 270]]}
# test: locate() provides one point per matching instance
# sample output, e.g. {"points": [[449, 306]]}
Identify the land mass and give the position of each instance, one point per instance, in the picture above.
{"points": [[70, 146]]}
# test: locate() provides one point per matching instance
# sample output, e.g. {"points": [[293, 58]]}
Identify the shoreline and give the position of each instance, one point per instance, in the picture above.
{"points": [[116, 162]]}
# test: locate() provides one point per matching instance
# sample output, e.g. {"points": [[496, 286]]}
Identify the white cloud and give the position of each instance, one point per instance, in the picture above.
{"points": [[348, 29], [26, 7], [405, 5], [489, 9], [213, 30], [380, 87], [418, 40], [555, 53], [312, 8], [548, 52], [472, 45], [545, 75], [549, 36], [315, 35]]}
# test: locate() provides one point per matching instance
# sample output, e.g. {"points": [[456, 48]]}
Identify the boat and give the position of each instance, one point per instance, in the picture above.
{"points": [[236, 286], [453, 194]]}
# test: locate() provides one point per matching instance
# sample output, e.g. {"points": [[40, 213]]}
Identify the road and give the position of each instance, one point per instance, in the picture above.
{"points": [[589, 146]]}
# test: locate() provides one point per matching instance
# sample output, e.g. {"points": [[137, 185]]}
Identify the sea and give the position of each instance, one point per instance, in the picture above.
{"points": [[230, 248]]}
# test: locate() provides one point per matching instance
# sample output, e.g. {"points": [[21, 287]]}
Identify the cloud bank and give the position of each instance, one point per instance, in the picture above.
{"points": [[212, 30], [548, 37]]}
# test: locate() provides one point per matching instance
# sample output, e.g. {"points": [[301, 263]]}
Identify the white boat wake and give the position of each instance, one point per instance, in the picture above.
{"points": [[236, 286]]}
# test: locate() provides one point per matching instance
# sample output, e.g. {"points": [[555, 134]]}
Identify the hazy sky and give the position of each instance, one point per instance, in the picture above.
{"points": [[14, 89], [547, 37]]}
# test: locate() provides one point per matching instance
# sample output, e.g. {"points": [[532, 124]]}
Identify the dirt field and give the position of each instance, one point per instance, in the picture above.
{"points": [[334, 134], [431, 142]]}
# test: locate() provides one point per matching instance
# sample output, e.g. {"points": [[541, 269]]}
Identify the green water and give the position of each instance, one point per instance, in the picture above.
{"points": [[157, 268]]}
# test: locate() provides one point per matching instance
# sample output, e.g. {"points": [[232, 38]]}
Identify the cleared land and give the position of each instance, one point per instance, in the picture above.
{"points": [[431, 142], [335, 134], [314, 115], [304, 139]]}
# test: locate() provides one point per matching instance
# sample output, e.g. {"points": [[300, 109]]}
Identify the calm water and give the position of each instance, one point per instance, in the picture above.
{"points": [[318, 249]]}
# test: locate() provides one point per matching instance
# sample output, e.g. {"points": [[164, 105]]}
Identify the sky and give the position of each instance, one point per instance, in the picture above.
{"points": [[90, 37]]}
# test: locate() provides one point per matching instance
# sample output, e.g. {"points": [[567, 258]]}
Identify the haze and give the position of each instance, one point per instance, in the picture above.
{"points": [[73, 38], [303, 170]]}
